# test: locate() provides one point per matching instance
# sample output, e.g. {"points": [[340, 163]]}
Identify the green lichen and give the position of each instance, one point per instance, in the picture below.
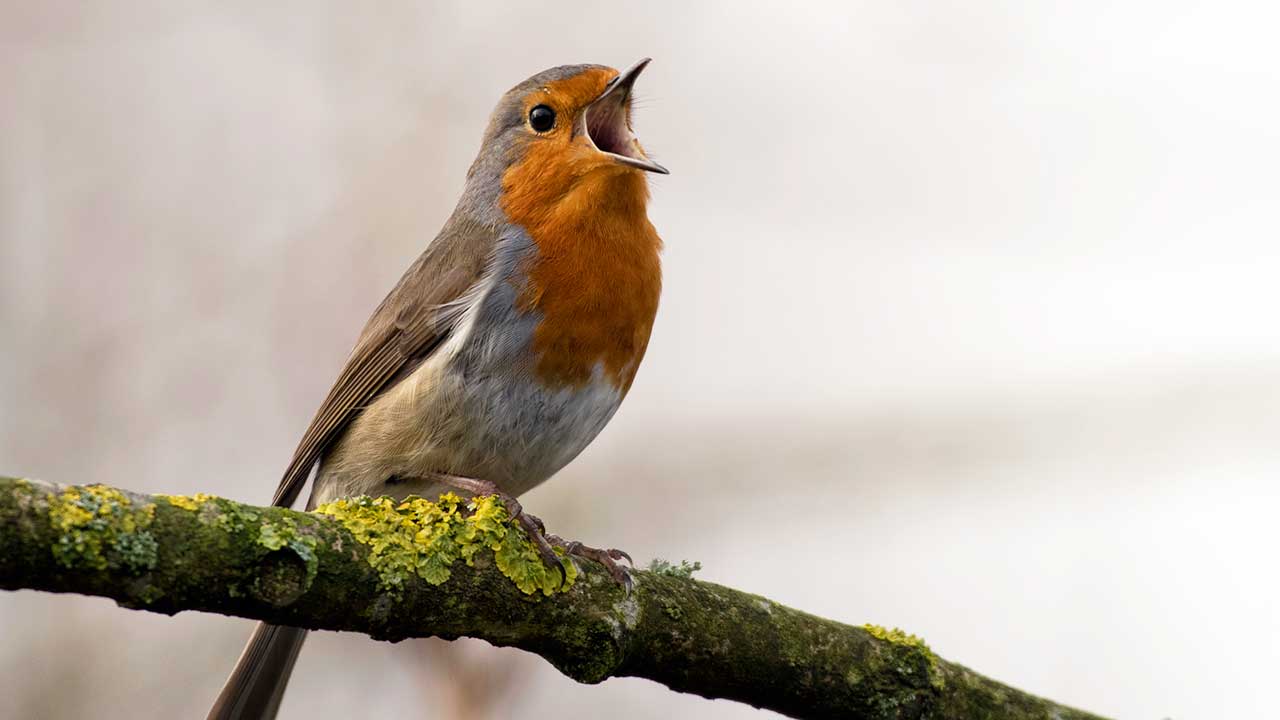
{"points": [[424, 538], [916, 649], [236, 518], [672, 610], [229, 516], [187, 502], [100, 527], [275, 534], [685, 569]]}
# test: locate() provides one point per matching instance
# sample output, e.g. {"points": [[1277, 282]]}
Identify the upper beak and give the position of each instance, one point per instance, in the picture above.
{"points": [[607, 123]]}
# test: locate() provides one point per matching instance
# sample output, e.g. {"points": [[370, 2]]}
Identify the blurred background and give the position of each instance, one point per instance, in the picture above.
{"points": [[969, 324]]}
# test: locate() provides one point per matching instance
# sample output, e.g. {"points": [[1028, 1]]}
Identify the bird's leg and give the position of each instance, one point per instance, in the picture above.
{"points": [[532, 526], [608, 557]]}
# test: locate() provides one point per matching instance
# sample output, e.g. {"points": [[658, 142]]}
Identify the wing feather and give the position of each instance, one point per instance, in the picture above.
{"points": [[411, 322]]}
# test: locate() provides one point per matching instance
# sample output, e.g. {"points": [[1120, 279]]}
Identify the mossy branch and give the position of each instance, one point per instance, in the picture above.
{"points": [[448, 569]]}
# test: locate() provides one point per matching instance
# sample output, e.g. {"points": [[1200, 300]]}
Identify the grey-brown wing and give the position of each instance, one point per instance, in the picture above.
{"points": [[412, 321]]}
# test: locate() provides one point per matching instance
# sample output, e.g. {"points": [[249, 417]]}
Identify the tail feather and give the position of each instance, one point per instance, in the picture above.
{"points": [[254, 690]]}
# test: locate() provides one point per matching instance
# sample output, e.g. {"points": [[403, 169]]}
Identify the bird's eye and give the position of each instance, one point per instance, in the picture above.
{"points": [[542, 118]]}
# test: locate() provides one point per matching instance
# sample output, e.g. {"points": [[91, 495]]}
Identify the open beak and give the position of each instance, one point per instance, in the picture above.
{"points": [[607, 122]]}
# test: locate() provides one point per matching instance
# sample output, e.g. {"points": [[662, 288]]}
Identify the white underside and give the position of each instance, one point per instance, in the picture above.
{"points": [[496, 423]]}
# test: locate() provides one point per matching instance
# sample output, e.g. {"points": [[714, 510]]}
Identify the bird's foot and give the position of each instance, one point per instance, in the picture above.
{"points": [[607, 557], [537, 532], [532, 526]]}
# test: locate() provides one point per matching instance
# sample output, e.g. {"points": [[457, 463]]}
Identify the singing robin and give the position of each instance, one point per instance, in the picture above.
{"points": [[510, 342]]}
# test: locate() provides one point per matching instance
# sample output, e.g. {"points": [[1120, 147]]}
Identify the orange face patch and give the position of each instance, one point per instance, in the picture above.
{"points": [[571, 94], [596, 276]]}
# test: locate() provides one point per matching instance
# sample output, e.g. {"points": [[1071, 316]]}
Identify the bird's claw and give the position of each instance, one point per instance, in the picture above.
{"points": [[608, 557], [532, 526], [537, 532]]}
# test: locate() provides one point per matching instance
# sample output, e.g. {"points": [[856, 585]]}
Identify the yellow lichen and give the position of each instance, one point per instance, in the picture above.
{"points": [[101, 527], [424, 538], [911, 642], [895, 636], [187, 502]]}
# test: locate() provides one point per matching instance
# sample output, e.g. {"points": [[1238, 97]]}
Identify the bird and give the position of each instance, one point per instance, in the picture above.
{"points": [[506, 347]]}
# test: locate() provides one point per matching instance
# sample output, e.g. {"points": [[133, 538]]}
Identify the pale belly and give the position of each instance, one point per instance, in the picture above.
{"points": [[475, 408], [494, 423]]}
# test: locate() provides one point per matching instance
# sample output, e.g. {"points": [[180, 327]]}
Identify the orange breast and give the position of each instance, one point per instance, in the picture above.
{"points": [[595, 278]]}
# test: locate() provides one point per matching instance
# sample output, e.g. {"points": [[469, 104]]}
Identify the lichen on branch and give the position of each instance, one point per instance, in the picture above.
{"points": [[100, 527], [450, 568], [424, 538]]}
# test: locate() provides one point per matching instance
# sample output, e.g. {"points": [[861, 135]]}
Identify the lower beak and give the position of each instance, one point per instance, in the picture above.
{"points": [[607, 123]]}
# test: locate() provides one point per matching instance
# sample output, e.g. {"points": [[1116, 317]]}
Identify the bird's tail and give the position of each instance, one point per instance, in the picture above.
{"points": [[255, 687]]}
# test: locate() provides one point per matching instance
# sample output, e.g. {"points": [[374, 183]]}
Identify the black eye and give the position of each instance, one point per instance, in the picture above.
{"points": [[542, 118]]}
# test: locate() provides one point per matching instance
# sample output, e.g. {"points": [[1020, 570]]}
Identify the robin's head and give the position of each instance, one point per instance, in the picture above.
{"points": [[560, 163], [563, 130]]}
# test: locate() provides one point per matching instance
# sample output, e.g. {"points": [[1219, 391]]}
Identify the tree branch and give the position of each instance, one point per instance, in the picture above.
{"points": [[442, 570]]}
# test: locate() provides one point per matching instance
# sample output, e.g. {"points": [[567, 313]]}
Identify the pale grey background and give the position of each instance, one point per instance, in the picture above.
{"points": [[969, 323]]}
